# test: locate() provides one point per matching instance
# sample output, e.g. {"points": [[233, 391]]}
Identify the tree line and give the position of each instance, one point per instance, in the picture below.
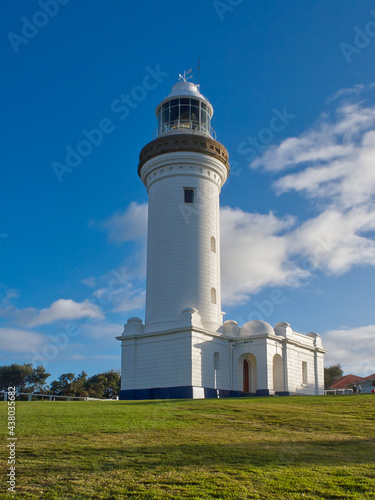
{"points": [[26, 378]]}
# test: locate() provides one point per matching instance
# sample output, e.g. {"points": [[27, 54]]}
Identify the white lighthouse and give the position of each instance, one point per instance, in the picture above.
{"points": [[183, 170], [183, 349]]}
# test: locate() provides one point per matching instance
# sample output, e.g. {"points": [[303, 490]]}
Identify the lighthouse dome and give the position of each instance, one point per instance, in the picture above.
{"points": [[183, 88], [256, 327]]}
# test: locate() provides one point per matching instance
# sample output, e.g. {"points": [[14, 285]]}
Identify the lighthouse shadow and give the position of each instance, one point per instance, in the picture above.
{"points": [[261, 453]]}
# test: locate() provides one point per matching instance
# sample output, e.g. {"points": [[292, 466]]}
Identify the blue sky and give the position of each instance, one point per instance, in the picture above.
{"points": [[298, 214]]}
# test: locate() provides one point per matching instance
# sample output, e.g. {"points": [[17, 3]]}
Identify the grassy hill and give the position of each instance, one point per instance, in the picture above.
{"points": [[264, 448]]}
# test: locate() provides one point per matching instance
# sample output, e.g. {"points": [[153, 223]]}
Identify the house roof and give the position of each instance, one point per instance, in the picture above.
{"points": [[370, 377], [344, 381]]}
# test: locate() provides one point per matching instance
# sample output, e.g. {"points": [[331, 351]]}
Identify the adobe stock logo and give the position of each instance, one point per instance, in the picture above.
{"points": [[222, 7], [3, 236], [361, 40], [264, 309], [121, 108], [256, 144], [30, 28]]}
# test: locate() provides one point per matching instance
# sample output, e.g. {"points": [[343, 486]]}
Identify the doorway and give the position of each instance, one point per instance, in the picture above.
{"points": [[246, 369]]}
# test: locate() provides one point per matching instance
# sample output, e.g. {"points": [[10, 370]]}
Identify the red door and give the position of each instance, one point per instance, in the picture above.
{"points": [[246, 376]]}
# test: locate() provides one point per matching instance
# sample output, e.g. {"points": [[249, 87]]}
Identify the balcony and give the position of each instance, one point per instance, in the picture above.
{"points": [[184, 126]]}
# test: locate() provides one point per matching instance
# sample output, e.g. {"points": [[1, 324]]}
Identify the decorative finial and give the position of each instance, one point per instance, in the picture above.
{"points": [[184, 77]]}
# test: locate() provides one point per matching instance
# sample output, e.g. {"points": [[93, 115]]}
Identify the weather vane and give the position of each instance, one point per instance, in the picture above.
{"points": [[184, 77]]}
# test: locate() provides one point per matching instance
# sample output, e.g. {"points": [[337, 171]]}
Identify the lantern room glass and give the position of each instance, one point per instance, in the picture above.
{"points": [[184, 114]]}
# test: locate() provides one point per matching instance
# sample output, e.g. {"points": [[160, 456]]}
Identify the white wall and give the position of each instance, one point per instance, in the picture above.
{"points": [[204, 348], [264, 349], [257, 348], [156, 361], [181, 268], [186, 358], [296, 355]]}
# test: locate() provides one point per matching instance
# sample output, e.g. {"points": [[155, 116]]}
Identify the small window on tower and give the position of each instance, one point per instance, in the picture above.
{"points": [[213, 296], [188, 195], [213, 244], [304, 373]]}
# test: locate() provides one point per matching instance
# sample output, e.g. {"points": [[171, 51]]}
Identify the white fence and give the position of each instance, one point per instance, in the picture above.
{"points": [[51, 397], [328, 392]]}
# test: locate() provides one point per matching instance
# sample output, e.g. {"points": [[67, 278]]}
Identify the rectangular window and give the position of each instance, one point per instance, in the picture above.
{"points": [[304, 373], [188, 195]]}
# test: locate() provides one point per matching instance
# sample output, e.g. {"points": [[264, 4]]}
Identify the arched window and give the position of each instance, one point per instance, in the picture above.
{"points": [[304, 373], [216, 361], [216, 368], [278, 373], [213, 244], [213, 296]]}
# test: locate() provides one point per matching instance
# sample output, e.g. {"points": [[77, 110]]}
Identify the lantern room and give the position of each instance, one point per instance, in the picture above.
{"points": [[185, 110]]}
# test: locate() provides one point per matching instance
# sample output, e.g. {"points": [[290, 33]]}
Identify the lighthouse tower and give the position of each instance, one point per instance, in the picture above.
{"points": [[183, 169]]}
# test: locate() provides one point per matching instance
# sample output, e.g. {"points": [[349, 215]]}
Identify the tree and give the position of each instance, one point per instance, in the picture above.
{"points": [[113, 384], [62, 386], [104, 385], [78, 384], [24, 377], [69, 385], [37, 380], [331, 374]]}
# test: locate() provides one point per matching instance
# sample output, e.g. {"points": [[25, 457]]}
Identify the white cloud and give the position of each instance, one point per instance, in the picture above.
{"points": [[7, 296], [356, 90], [132, 301], [77, 357], [130, 225], [124, 288], [262, 250], [353, 348], [90, 281], [62, 309], [66, 310], [347, 181], [336, 241], [259, 251], [104, 330], [128, 292], [109, 356], [254, 254], [15, 340], [331, 138]]}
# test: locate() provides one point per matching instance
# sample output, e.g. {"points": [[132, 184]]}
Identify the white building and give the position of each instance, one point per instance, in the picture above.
{"points": [[184, 350]]}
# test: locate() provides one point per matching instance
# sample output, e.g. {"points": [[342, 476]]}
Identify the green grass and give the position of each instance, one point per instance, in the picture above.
{"points": [[264, 448]]}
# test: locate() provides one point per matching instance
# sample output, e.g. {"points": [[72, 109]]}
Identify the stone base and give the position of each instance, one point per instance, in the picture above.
{"points": [[185, 392]]}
